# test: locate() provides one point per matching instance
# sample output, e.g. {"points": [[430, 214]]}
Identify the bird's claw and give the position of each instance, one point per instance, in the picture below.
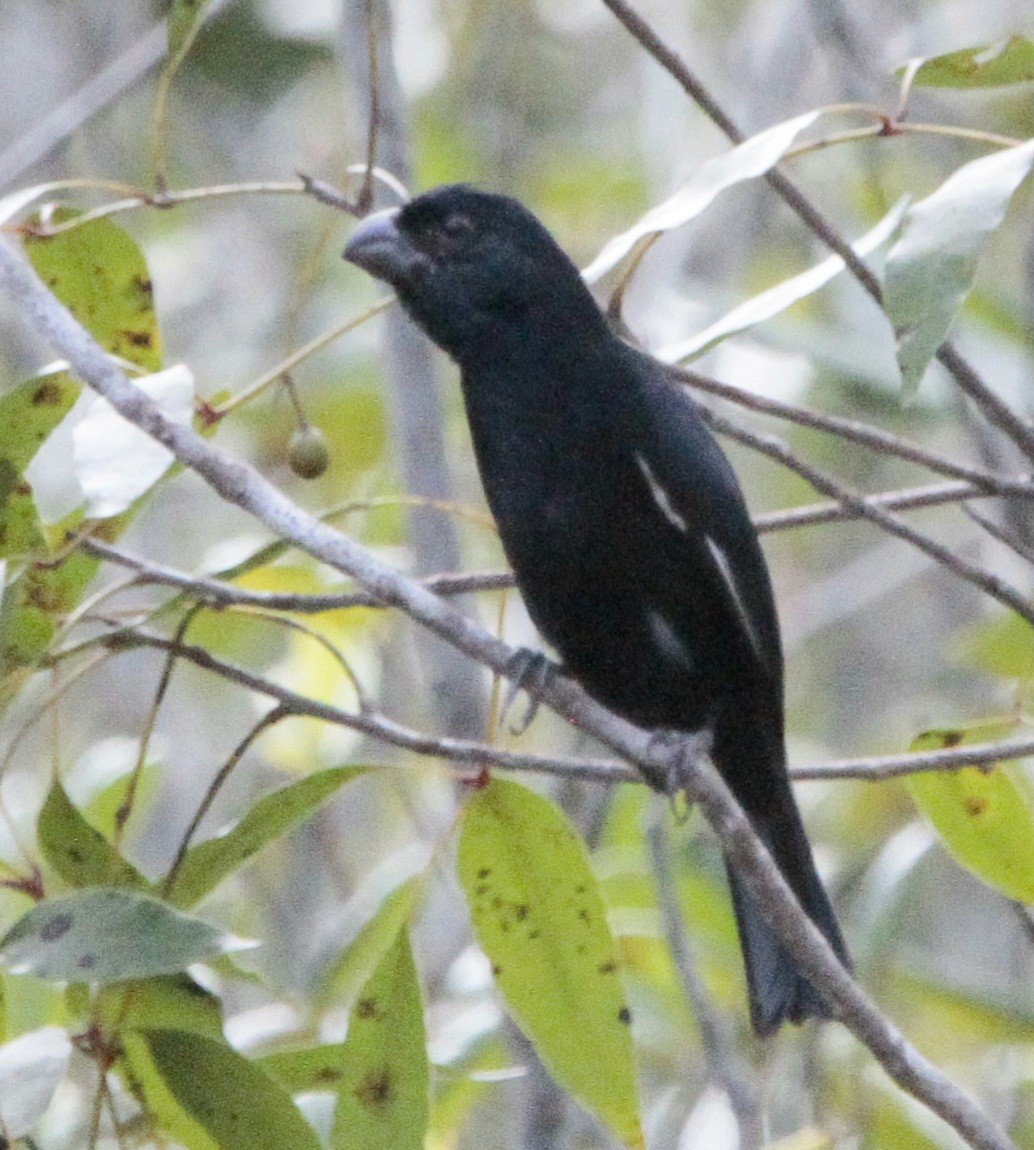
{"points": [[680, 751], [527, 669]]}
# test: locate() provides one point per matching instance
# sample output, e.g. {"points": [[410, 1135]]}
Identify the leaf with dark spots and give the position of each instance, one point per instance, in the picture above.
{"points": [[96, 271], [55, 927], [124, 934], [983, 816], [382, 1096], [523, 864]]}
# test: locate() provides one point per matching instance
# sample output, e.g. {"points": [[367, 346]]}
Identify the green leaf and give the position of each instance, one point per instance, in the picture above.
{"points": [[206, 865], [310, 1070], [79, 853], [991, 66], [752, 158], [236, 1104], [28, 414], [983, 818], [1003, 645], [930, 268], [168, 1002], [383, 1100], [37, 593], [540, 918], [777, 299], [100, 275], [357, 963], [108, 935]]}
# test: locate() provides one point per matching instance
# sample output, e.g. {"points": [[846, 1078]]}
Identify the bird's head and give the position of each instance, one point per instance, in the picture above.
{"points": [[467, 263]]}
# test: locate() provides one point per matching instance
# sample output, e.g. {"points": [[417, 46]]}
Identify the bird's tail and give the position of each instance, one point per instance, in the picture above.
{"points": [[778, 991]]}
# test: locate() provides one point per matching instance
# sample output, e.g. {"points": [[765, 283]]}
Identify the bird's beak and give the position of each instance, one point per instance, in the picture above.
{"points": [[378, 247]]}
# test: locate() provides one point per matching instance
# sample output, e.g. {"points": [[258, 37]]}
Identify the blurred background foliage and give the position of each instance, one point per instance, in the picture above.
{"points": [[550, 101]]}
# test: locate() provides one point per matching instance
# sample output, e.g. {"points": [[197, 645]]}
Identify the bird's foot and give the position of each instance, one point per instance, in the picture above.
{"points": [[527, 669], [679, 752]]}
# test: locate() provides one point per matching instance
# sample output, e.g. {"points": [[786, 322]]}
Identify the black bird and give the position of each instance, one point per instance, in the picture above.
{"points": [[624, 522]]}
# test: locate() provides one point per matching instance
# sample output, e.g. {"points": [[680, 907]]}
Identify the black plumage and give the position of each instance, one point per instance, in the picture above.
{"points": [[623, 521]]}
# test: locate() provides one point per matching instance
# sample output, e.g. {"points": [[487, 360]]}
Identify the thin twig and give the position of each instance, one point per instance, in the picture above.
{"points": [[271, 718], [374, 724], [227, 594], [987, 581], [126, 806], [876, 438], [877, 768], [906, 499], [1002, 534]]}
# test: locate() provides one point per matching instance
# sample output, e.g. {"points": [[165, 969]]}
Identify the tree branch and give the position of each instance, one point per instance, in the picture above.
{"points": [[987, 581]]}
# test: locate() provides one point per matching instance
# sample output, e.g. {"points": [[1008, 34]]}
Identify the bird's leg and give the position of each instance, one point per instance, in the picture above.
{"points": [[527, 669], [680, 751]]}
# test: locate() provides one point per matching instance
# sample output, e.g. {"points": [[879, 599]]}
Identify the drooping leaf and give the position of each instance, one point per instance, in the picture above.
{"points": [[752, 158], [79, 853], [930, 268], [36, 592], [236, 1104], [983, 817], [28, 414], [777, 299], [105, 934], [99, 273], [206, 865], [31, 1068], [540, 918], [360, 959], [166, 1002], [990, 66], [382, 1097]]}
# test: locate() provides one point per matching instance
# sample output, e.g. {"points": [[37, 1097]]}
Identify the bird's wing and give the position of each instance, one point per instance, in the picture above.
{"points": [[695, 488]]}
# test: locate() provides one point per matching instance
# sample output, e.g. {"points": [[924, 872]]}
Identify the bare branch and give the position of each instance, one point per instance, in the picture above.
{"points": [[775, 449], [761, 876], [374, 724], [877, 438], [907, 499], [879, 767], [217, 592]]}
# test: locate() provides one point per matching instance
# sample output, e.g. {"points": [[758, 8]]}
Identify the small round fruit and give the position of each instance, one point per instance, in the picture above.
{"points": [[307, 453]]}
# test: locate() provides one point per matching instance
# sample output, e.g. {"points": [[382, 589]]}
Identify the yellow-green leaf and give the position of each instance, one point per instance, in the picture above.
{"points": [[206, 865], [989, 66], [167, 1002], [236, 1104], [79, 853], [311, 1069], [363, 955], [983, 818], [100, 275], [383, 1099], [540, 918]]}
